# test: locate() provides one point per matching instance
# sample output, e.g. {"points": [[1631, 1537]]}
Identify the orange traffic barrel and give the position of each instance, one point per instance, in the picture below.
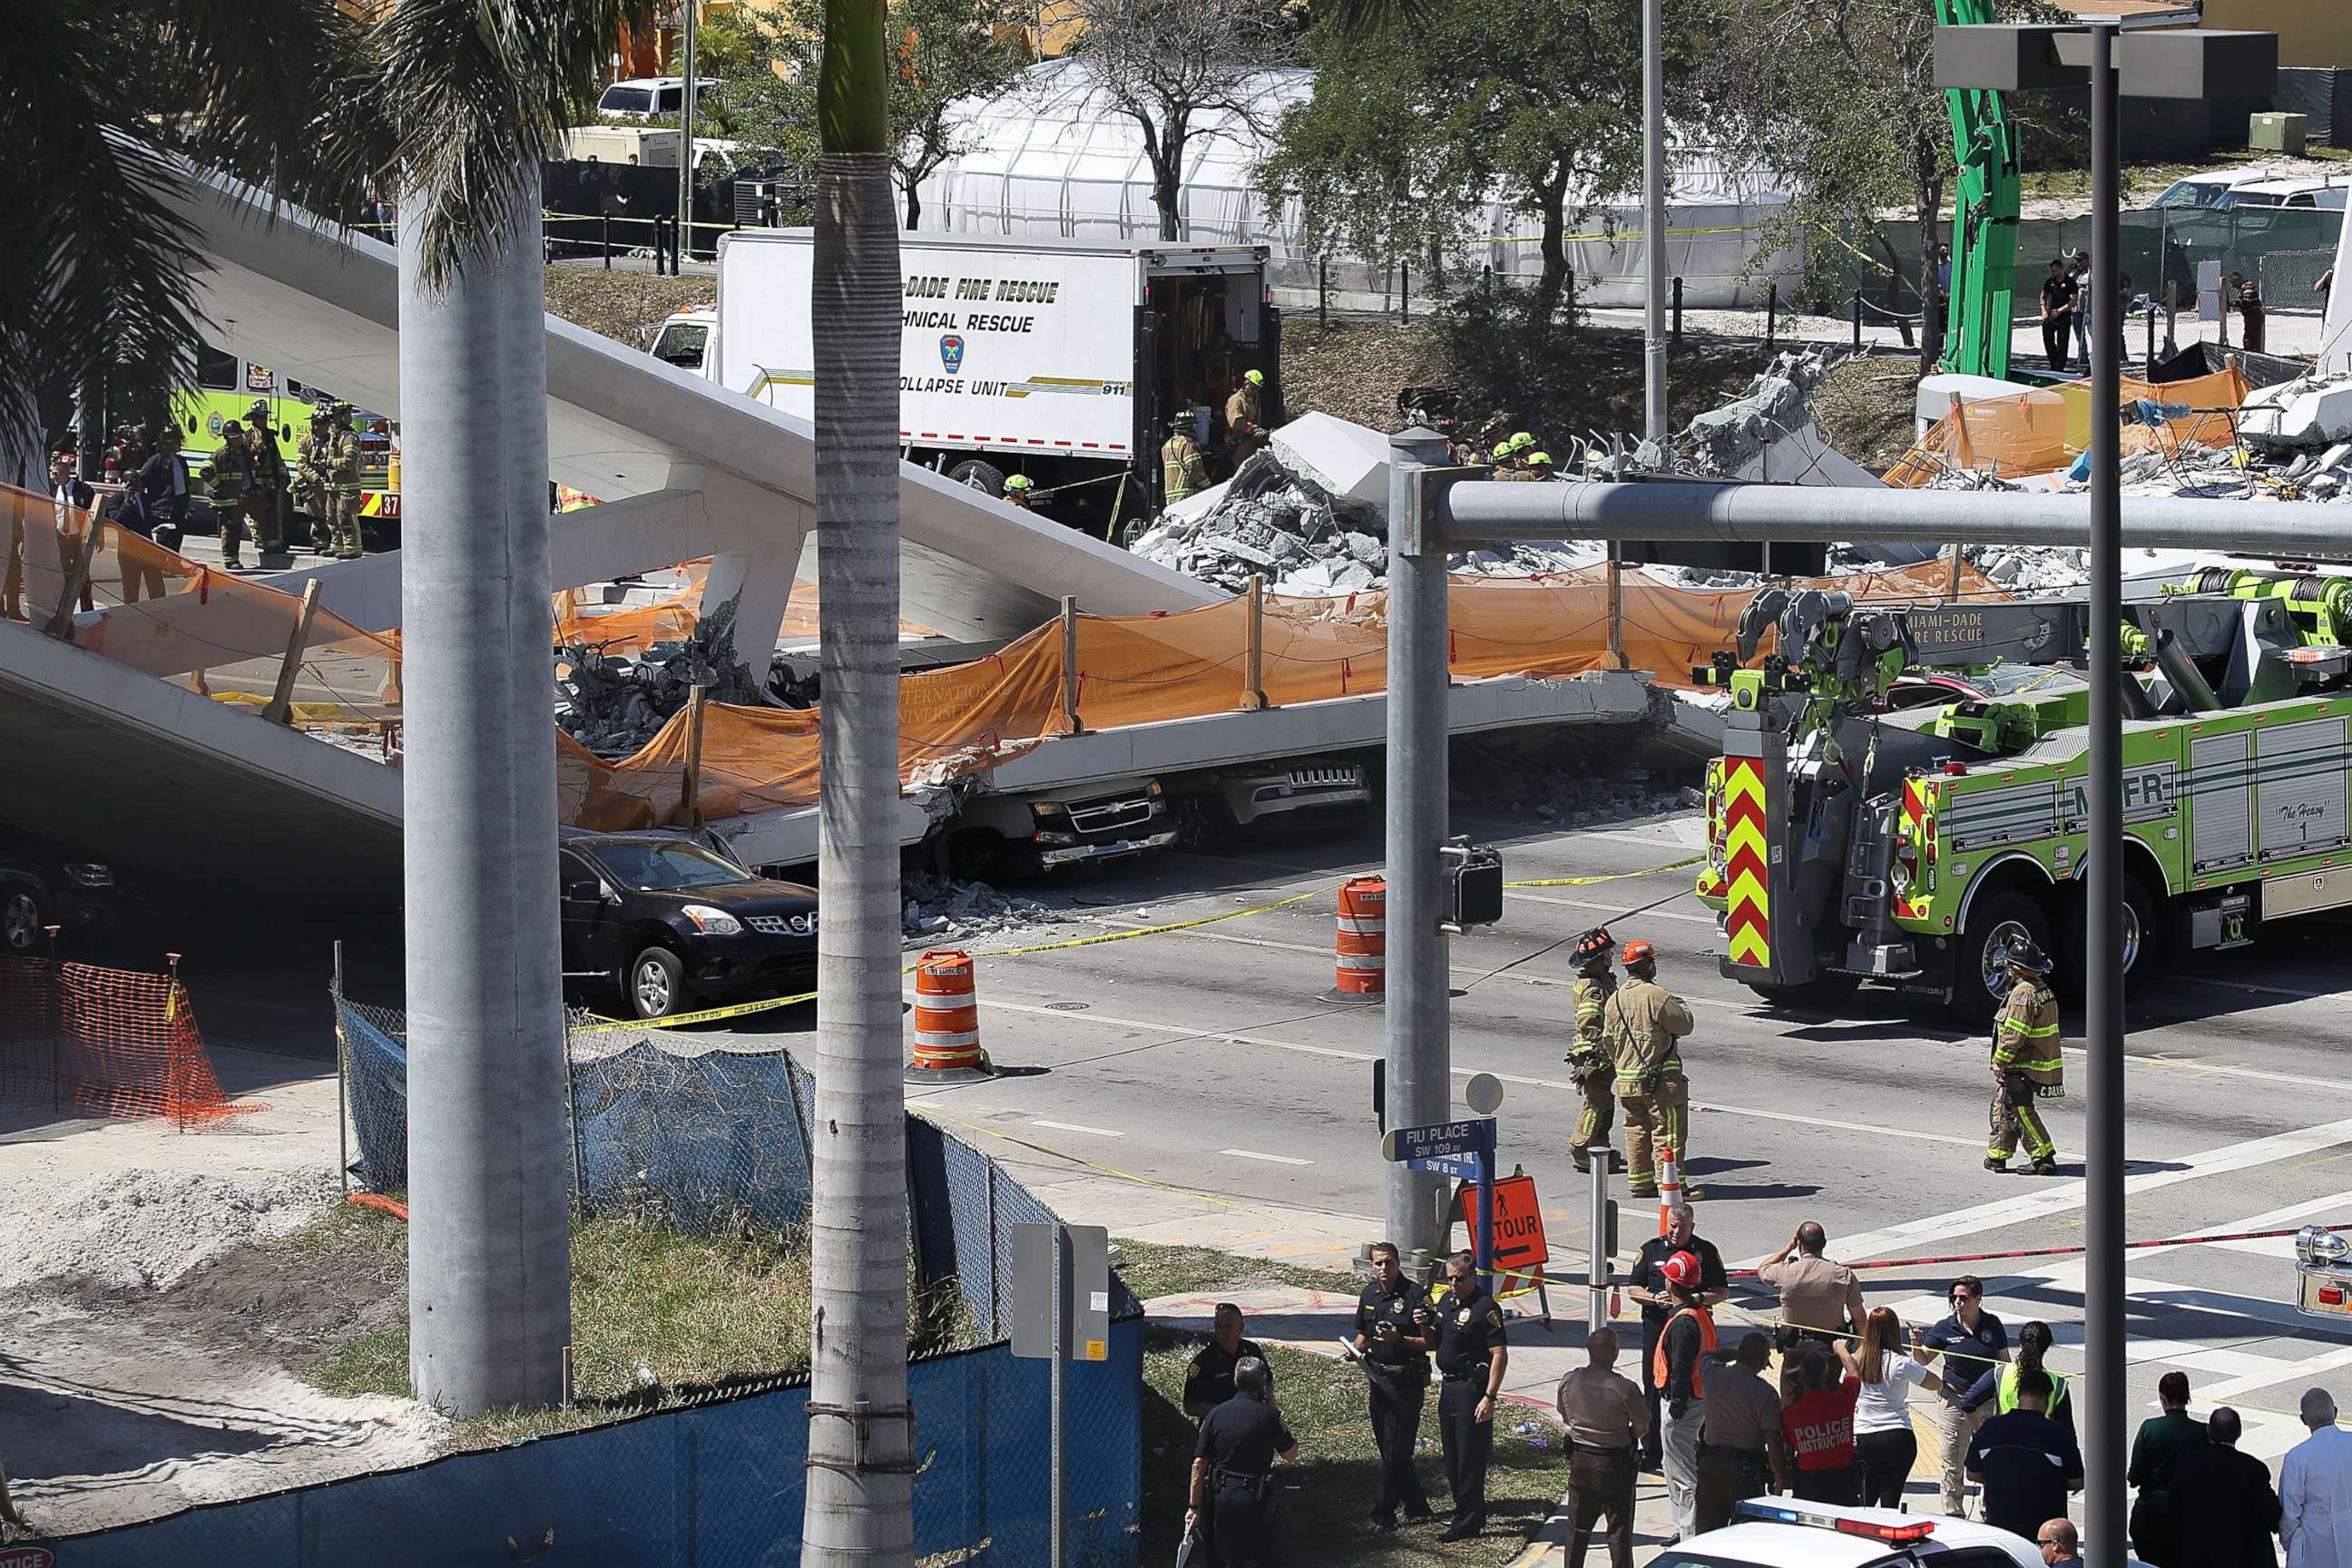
{"points": [[947, 1013], [1363, 942]]}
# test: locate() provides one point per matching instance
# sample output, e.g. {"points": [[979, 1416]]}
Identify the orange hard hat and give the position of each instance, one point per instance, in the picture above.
{"points": [[1637, 952], [1681, 1270]]}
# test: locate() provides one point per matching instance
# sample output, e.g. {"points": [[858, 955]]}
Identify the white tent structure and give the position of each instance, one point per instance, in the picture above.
{"points": [[1051, 157]]}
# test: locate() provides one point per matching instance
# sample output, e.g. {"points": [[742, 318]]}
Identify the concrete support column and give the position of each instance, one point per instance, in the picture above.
{"points": [[489, 1146]]}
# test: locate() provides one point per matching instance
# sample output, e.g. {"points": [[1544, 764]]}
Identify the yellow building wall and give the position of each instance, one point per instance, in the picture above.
{"points": [[2311, 32]]}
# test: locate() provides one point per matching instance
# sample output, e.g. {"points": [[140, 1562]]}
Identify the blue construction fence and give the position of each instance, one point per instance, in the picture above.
{"points": [[712, 1135], [716, 1486]]}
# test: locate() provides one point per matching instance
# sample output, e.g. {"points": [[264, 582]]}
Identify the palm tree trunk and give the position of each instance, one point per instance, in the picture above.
{"points": [[861, 1440], [488, 1145]]}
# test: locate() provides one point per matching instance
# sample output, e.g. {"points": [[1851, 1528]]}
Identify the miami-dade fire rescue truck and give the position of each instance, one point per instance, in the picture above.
{"points": [[1852, 839]]}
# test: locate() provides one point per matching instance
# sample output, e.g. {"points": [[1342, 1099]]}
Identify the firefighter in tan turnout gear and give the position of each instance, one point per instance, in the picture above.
{"points": [[1588, 1059], [2027, 1063], [1642, 1026]]}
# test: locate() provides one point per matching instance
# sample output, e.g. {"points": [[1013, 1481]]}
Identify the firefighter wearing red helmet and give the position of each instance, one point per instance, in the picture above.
{"points": [[1588, 1059], [1644, 1025]]}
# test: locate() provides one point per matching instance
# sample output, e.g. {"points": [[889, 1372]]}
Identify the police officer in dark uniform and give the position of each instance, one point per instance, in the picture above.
{"points": [[1472, 1351], [1209, 1379], [1233, 1472], [1393, 1344]]}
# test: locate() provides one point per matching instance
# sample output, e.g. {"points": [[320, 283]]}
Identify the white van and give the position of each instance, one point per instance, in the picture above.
{"points": [[642, 98]]}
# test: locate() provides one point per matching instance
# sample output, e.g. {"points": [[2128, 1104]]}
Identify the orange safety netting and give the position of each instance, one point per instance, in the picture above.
{"points": [[2042, 431], [78, 1038], [1144, 668], [215, 633], [672, 618]]}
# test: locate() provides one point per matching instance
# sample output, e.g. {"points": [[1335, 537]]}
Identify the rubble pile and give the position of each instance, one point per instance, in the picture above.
{"points": [[614, 706], [938, 908], [1273, 521], [2032, 568]]}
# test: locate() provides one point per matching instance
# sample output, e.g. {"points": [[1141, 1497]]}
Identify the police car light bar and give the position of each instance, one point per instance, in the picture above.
{"points": [[1893, 1535]]}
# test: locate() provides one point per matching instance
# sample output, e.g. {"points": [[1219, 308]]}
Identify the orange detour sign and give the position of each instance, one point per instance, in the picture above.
{"points": [[1518, 1224]]}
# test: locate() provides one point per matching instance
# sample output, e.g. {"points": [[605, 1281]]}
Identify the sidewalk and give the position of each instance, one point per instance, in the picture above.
{"points": [[1315, 1321]]}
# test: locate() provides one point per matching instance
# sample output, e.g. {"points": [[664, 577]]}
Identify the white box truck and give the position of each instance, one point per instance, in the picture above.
{"points": [[1062, 360]]}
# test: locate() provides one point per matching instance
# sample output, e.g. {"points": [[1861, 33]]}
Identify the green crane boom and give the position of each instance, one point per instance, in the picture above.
{"points": [[1984, 228]]}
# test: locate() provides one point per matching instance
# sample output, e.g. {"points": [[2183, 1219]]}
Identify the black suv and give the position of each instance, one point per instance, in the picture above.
{"points": [[669, 918], [43, 884]]}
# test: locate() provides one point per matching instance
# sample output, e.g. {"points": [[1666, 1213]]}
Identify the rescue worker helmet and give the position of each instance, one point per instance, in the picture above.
{"points": [[1640, 951], [1539, 460], [1019, 482], [1593, 947], [1521, 440], [1502, 450], [2024, 952], [1681, 1270], [230, 427], [1255, 377]]}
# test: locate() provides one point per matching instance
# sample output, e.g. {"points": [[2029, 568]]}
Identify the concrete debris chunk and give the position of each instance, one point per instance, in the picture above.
{"points": [[614, 704], [2311, 412]]}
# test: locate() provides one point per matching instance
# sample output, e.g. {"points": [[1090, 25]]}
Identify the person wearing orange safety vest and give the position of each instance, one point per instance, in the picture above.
{"points": [[1644, 1025], [2027, 1063], [1687, 1343]]}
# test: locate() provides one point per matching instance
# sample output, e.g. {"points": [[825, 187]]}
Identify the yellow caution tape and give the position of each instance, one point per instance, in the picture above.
{"points": [[1610, 877], [707, 1015], [712, 1014]]}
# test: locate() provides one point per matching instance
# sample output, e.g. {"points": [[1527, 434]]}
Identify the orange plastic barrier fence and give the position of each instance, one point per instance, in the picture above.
{"points": [[90, 1041], [1144, 668], [2042, 431], [672, 618], [211, 631]]}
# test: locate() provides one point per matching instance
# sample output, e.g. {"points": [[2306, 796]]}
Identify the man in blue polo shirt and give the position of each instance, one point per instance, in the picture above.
{"points": [[1976, 1340], [2026, 1462]]}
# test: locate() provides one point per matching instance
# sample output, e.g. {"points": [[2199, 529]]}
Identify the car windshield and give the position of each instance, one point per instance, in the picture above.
{"points": [[2011, 679], [2250, 199], [626, 100], [667, 868], [2192, 194], [683, 344]]}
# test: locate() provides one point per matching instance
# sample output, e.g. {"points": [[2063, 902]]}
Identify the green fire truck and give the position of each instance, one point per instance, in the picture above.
{"points": [[1853, 840]]}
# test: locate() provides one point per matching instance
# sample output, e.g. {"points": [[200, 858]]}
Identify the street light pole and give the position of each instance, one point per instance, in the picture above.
{"points": [[1419, 1050], [1653, 223], [686, 137], [2103, 1286]]}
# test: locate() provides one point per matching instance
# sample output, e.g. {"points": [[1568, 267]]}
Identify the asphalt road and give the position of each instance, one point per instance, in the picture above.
{"points": [[1191, 1085]]}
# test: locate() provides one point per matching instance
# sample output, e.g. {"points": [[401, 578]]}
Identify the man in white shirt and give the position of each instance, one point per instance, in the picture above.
{"points": [[2316, 1490]]}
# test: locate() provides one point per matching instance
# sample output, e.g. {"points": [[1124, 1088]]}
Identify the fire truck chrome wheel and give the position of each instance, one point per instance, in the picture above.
{"points": [[1996, 955]]}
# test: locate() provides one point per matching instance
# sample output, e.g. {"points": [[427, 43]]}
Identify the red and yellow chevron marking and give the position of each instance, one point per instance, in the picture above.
{"points": [[1910, 831], [1748, 919]]}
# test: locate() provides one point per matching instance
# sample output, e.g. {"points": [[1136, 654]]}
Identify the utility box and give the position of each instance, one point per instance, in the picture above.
{"points": [[2277, 134]]}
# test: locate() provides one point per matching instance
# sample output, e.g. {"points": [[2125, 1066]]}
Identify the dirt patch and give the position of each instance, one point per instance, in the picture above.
{"points": [[1864, 409], [1355, 367], [292, 1298], [145, 1229], [623, 306]]}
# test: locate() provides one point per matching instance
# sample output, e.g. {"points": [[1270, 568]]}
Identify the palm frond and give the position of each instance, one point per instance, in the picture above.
{"points": [[475, 90], [99, 98]]}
